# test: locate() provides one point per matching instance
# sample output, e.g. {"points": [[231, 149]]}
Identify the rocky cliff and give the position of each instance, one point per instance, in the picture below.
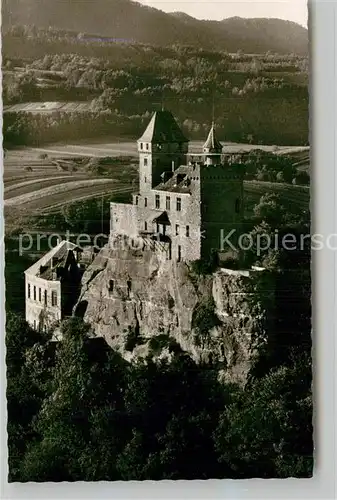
{"points": [[144, 304]]}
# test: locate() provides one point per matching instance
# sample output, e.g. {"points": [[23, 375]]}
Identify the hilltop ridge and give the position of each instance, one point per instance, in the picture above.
{"points": [[128, 20]]}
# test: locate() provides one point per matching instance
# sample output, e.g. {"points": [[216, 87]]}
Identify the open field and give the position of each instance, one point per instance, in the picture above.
{"points": [[34, 185], [293, 197], [129, 148]]}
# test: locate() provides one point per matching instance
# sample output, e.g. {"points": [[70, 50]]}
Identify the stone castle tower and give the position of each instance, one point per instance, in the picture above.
{"points": [[162, 147], [187, 203]]}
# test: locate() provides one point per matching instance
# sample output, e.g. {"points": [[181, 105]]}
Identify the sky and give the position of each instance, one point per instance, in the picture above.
{"points": [[291, 10]]}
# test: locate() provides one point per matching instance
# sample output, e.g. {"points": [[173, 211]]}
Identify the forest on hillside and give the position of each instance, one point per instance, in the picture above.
{"points": [[261, 99], [128, 21]]}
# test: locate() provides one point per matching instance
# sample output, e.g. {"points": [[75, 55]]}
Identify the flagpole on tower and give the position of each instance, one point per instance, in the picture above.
{"points": [[213, 109]]}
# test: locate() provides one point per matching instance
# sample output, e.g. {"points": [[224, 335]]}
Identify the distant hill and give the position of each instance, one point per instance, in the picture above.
{"points": [[131, 21]]}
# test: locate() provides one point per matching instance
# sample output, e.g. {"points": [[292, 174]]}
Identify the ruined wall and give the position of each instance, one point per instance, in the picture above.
{"points": [[40, 314], [139, 294]]}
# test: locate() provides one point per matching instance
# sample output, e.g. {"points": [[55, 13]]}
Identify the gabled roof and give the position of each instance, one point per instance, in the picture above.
{"points": [[212, 144], [162, 219], [163, 128]]}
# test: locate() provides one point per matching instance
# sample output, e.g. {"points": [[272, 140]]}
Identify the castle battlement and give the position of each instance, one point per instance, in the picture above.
{"points": [[185, 201]]}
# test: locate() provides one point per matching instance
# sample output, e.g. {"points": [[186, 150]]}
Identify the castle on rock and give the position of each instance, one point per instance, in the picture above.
{"points": [[184, 206]]}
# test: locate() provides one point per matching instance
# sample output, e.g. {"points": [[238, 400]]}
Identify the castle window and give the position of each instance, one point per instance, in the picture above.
{"points": [[111, 285], [28, 291], [129, 284], [34, 296], [40, 295], [145, 162], [45, 297], [145, 202], [179, 253], [54, 298], [145, 226], [177, 229], [168, 203], [157, 201], [237, 206], [145, 179], [141, 145], [136, 200], [188, 231], [178, 204], [147, 146]]}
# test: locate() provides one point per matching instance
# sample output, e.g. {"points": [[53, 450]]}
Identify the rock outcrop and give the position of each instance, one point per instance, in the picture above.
{"points": [[144, 304]]}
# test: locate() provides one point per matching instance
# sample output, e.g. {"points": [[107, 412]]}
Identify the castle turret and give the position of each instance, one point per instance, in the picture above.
{"points": [[162, 147], [212, 148]]}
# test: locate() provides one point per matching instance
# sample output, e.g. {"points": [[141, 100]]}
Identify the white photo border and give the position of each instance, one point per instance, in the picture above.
{"points": [[323, 113]]}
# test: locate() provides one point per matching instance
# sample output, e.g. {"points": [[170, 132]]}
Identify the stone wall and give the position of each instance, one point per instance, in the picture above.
{"points": [[222, 205], [140, 293], [39, 314], [123, 219]]}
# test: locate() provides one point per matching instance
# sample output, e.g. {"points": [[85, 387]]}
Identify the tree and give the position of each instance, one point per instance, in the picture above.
{"points": [[173, 409], [266, 431], [302, 177], [24, 395], [80, 421], [270, 210]]}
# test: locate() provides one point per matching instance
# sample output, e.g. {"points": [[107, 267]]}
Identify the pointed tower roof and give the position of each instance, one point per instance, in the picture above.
{"points": [[212, 144], [163, 128]]}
